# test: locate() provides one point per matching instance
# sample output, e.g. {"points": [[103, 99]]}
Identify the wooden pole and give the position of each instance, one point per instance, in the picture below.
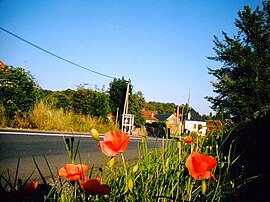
{"points": [[126, 99]]}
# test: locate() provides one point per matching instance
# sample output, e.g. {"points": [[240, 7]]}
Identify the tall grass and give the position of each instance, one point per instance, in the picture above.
{"points": [[159, 173], [45, 117], [163, 176]]}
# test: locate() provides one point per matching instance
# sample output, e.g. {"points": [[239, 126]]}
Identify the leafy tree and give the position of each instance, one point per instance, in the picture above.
{"points": [[161, 108], [136, 106], [88, 102], [100, 105], [58, 99], [117, 94], [18, 90], [243, 82], [81, 101]]}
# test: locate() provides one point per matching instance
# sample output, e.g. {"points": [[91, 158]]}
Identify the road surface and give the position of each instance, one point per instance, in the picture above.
{"points": [[25, 145]]}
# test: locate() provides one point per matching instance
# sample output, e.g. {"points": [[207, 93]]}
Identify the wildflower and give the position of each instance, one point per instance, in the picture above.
{"points": [[188, 140], [73, 172], [114, 142], [93, 187], [30, 187], [199, 166]]}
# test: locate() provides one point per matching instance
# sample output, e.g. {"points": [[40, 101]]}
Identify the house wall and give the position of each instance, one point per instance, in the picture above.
{"points": [[193, 126], [174, 124]]}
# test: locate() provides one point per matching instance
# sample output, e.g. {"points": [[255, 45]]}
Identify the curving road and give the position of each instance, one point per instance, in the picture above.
{"points": [[24, 145]]}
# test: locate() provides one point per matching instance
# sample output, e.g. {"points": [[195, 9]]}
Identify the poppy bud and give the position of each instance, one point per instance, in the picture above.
{"points": [[130, 184], [67, 143], [95, 134], [203, 187], [135, 168], [232, 183], [222, 164], [111, 162]]}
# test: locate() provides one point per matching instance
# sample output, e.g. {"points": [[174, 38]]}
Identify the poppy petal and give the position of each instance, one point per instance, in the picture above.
{"points": [[106, 149]]}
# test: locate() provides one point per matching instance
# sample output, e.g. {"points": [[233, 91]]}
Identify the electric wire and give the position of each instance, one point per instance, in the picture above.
{"points": [[55, 55]]}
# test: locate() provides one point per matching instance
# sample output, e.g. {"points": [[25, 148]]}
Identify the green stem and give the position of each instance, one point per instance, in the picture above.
{"points": [[125, 166]]}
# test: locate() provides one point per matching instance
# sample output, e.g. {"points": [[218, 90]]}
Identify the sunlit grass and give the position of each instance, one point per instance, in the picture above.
{"points": [[158, 174], [45, 117], [163, 176]]}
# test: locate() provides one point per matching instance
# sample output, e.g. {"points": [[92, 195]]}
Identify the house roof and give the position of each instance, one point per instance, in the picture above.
{"points": [[150, 115], [163, 117], [195, 116]]}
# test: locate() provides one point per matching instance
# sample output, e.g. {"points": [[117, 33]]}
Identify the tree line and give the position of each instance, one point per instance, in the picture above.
{"points": [[19, 92]]}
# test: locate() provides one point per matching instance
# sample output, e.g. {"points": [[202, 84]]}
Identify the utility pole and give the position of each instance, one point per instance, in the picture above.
{"points": [[126, 99], [116, 120], [127, 119]]}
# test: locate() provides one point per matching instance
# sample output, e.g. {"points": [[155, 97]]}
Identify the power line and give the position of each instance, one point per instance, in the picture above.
{"points": [[53, 54]]}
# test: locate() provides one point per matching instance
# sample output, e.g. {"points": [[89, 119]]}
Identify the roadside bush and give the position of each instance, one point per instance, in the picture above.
{"points": [[18, 91], [156, 129]]}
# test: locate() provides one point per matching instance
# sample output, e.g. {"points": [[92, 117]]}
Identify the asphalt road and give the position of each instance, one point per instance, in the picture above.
{"points": [[25, 146]]}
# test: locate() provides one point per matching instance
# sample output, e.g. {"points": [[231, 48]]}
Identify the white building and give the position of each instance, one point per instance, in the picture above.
{"points": [[196, 126]]}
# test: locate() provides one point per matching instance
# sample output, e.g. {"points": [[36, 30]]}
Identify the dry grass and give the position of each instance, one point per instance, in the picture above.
{"points": [[45, 117]]}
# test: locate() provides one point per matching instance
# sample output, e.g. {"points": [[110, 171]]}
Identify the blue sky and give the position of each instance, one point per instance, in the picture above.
{"points": [[161, 46]]}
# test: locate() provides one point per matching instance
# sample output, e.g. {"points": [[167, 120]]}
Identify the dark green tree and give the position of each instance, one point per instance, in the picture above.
{"points": [[136, 106], [81, 101], [243, 82], [100, 105], [160, 107], [58, 99], [117, 94], [18, 90], [89, 102]]}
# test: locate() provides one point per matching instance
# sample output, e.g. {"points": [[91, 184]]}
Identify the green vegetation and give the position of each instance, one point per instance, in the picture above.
{"points": [[21, 98], [159, 174], [18, 91], [243, 95], [243, 82], [45, 117]]}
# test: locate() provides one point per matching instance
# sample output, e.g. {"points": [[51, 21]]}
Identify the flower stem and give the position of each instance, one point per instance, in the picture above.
{"points": [[125, 170], [125, 166]]}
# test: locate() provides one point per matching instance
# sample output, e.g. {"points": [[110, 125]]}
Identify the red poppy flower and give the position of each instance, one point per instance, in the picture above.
{"points": [[93, 187], [73, 172], [114, 142], [30, 187], [199, 166], [188, 140]]}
